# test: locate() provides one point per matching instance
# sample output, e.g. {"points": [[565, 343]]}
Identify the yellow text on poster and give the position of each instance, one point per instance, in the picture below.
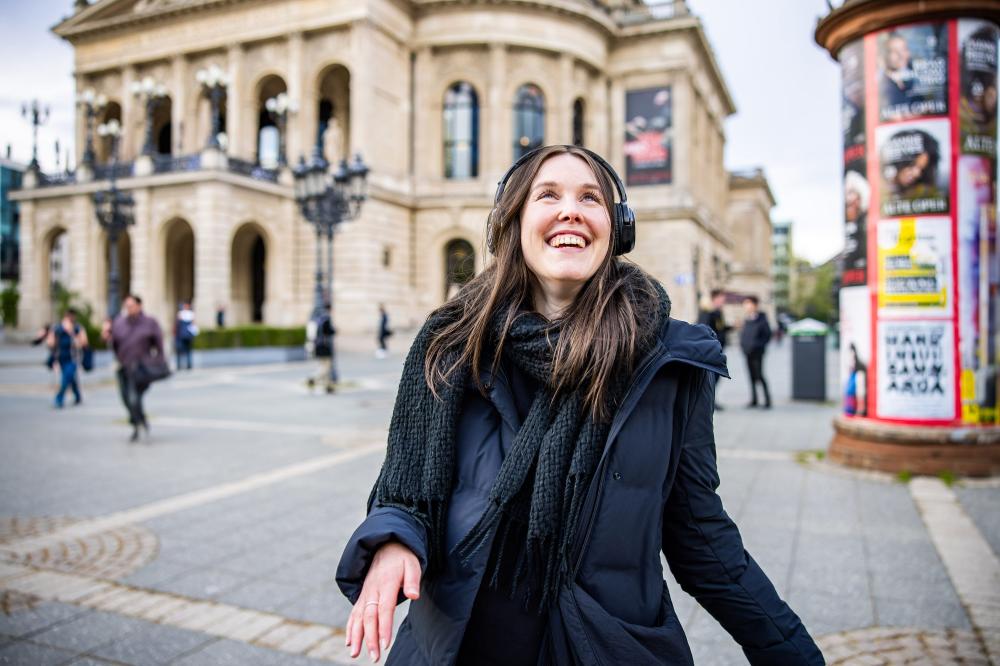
{"points": [[910, 273]]}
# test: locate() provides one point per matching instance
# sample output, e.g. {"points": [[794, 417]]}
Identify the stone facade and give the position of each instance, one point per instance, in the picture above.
{"points": [[219, 229]]}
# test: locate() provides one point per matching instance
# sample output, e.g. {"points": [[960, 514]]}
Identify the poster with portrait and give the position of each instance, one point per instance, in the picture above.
{"points": [[855, 349], [852, 71], [648, 151], [857, 196], [916, 373], [977, 106], [914, 267], [914, 168], [979, 290], [912, 70]]}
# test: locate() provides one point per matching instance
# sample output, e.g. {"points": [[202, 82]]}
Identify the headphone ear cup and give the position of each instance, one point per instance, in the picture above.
{"points": [[624, 229]]}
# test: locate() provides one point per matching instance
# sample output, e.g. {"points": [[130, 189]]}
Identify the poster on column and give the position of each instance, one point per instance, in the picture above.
{"points": [[978, 290], [913, 72], [857, 192], [852, 69], [914, 267], [916, 378], [914, 167], [977, 109], [855, 348], [648, 156]]}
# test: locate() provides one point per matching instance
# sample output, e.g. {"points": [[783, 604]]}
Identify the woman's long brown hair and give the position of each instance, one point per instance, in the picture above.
{"points": [[599, 332]]}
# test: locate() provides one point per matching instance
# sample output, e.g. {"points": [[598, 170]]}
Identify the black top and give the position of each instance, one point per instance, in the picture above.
{"points": [[501, 631]]}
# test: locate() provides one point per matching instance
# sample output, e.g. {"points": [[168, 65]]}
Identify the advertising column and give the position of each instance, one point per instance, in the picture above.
{"points": [[918, 302]]}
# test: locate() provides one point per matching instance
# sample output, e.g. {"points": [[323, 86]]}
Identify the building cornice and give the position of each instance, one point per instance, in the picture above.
{"points": [[88, 23], [578, 10], [856, 18]]}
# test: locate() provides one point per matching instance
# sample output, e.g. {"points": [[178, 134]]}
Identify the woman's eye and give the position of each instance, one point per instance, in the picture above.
{"points": [[546, 193], [593, 197]]}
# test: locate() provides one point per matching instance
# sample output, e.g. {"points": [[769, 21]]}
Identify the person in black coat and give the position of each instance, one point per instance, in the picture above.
{"points": [[712, 317], [552, 436], [754, 337]]}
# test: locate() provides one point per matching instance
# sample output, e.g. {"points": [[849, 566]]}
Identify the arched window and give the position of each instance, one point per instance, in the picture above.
{"points": [[578, 116], [459, 265], [461, 131], [529, 119]]}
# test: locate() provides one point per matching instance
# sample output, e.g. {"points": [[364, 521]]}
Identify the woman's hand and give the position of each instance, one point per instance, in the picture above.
{"points": [[393, 567]]}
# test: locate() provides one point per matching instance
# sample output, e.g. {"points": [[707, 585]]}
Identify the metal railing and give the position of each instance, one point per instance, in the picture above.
{"points": [[121, 170], [176, 163], [253, 170], [56, 179]]}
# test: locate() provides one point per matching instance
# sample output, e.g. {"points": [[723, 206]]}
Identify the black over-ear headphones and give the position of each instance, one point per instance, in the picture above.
{"points": [[624, 216]]}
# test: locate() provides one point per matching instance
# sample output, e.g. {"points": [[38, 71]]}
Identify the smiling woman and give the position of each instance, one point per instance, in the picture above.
{"points": [[552, 434]]}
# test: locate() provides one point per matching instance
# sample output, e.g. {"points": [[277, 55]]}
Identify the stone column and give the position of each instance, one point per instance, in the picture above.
{"points": [[295, 143], [920, 296], [179, 87], [235, 112], [422, 118], [132, 128], [141, 236], [562, 105], [498, 132], [33, 306]]}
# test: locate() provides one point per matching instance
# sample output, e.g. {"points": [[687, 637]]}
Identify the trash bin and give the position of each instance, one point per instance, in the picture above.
{"points": [[808, 359]]}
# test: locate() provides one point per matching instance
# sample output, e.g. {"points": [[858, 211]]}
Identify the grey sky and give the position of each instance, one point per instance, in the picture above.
{"points": [[785, 87]]}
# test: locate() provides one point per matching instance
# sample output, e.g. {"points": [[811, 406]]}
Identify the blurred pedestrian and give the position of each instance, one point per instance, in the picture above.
{"points": [[322, 332], [383, 332], [185, 331], [220, 316], [137, 342], [711, 316], [67, 340], [753, 340]]}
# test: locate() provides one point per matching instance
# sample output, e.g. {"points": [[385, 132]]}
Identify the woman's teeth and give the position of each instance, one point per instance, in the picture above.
{"points": [[562, 240]]}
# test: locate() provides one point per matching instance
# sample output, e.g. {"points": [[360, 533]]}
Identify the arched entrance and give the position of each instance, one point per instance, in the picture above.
{"points": [[459, 265], [269, 140], [178, 263], [102, 144], [56, 264], [163, 127], [333, 128], [248, 275]]}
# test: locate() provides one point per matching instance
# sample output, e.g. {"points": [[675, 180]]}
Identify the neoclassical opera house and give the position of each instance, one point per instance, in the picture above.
{"points": [[438, 96]]}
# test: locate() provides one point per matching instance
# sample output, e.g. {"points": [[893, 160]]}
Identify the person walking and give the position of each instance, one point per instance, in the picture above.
{"points": [[711, 316], [137, 342], [67, 340], [552, 435], [383, 332], [754, 337], [185, 331]]}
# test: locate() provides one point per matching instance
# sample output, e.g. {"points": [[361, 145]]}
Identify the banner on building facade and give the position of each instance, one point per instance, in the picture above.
{"points": [[914, 267], [916, 375], [914, 166], [855, 348], [977, 108], [912, 67], [979, 290], [648, 150]]}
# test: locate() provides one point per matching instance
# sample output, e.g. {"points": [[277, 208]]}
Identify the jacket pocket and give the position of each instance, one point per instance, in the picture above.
{"points": [[601, 639]]}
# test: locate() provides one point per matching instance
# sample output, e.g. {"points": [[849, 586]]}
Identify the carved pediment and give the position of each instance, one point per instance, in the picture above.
{"points": [[111, 14]]}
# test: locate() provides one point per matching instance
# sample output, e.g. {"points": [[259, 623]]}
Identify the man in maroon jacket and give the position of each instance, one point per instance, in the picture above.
{"points": [[133, 336]]}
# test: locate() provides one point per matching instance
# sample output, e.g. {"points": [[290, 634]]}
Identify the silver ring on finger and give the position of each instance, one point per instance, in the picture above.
{"points": [[372, 603]]}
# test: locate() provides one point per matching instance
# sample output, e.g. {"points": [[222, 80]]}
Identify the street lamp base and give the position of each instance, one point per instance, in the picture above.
{"points": [[963, 451]]}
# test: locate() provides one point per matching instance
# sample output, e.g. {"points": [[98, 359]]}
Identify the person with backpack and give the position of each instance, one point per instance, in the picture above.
{"points": [[67, 340], [185, 331]]}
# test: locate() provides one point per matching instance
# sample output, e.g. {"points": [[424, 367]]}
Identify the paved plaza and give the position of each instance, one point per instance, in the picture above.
{"points": [[216, 541]]}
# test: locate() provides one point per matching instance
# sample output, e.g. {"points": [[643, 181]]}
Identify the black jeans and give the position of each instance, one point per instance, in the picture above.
{"points": [[755, 362], [131, 397]]}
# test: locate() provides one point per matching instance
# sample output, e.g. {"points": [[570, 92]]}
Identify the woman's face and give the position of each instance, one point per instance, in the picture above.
{"points": [[911, 173], [565, 228]]}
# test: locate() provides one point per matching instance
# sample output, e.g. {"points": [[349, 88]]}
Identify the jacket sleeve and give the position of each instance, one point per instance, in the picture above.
{"points": [[384, 524], [705, 553]]}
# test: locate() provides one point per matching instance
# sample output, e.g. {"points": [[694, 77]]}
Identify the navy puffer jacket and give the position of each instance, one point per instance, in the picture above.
{"points": [[653, 491]]}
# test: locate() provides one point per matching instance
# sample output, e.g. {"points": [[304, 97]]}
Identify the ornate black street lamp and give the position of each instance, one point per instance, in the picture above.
{"points": [[114, 210], [327, 201], [214, 82], [278, 108], [92, 103], [38, 115], [152, 94]]}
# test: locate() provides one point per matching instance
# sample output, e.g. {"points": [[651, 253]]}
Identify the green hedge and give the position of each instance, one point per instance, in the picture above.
{"points": [[8, 305], [250, 336]]}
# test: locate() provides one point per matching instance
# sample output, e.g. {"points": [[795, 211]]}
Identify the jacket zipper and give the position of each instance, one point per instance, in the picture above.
{"points": [[603, 465]]}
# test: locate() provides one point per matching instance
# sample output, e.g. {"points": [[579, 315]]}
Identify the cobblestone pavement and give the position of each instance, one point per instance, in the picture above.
{"points": [[215, 541]]}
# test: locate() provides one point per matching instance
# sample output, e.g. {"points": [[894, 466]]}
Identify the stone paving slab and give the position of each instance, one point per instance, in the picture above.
{"points": [[849, 551]]}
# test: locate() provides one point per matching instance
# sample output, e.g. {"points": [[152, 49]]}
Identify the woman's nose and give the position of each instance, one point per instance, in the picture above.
{"points": [[569, 209]]}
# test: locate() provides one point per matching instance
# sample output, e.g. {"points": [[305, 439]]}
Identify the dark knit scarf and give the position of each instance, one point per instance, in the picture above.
{"points": [[536, 499]]}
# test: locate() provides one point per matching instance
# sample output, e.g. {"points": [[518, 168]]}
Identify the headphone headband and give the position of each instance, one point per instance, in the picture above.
{"points": [[624, 216]]}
